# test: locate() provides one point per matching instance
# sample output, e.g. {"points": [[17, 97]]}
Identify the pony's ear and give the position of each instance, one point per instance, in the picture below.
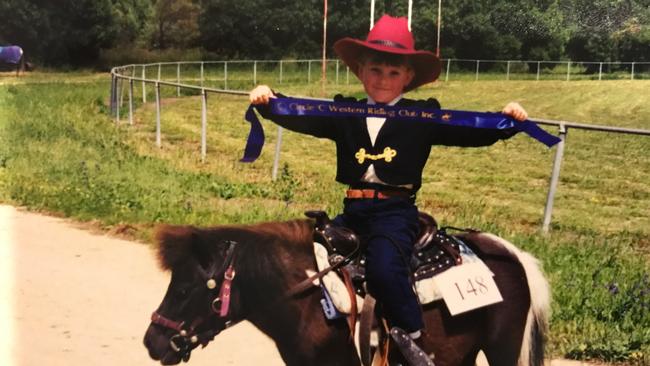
{"points": [[179, 244]]}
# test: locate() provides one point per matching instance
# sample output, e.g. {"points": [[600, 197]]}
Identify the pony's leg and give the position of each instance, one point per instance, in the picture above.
{"points": [[304, 337], [502, 355], [331, 347], [454, 341], [470, 359]]}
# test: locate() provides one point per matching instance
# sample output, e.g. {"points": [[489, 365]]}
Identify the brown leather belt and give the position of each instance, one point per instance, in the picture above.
{"points": [[373, 193]]}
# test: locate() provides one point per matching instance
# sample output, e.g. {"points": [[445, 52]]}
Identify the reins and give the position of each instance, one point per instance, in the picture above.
{"points": [[309, 282]]}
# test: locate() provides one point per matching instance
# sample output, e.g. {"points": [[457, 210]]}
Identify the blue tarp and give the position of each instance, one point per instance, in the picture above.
{"points": [[11, 54]]}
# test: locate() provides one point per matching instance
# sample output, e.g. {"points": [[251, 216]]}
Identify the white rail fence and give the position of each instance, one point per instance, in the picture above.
{"points": [[244, 73], [204, 77]]}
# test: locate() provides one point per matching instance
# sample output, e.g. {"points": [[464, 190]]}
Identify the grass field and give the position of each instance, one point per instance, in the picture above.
{"points": [[61, 153]]}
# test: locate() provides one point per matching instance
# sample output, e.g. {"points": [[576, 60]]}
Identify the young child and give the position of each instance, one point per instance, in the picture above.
{"points": [[381, 160]]}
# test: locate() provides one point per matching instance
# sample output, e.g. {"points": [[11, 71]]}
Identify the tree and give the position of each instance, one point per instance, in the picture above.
{"points": [[72, 32], [633, 41], [66, 32], [467, 28], [261, 28], [175, 24], [131, 19], [592, 24], [534, 29]]}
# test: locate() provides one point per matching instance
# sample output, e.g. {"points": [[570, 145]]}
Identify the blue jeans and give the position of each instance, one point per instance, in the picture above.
{"points": [[389, 228]]}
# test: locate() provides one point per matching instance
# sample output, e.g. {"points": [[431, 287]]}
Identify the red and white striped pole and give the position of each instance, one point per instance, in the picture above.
{"points": [[438, 37], [324, 66], [410, 13]]}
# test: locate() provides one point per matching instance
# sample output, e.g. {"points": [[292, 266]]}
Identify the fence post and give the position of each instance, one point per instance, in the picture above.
{"points": [[254, 72], [158, 139], [121, 96], [447, 74], [117, 100], [131, 101], [632, 73], [204, 124], [201, 73], [144, 84], [600, 71], [178, 79], [309, 72], [555, 177], [568, 70], [225, 75], [159, 67], [280, 71], [538, 70], [337, 72], [478, 62], [276, 159], [507, 70], [113, 94]]}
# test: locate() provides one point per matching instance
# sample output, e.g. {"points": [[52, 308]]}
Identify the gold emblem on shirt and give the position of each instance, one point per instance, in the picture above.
{"points": [[387, 155]]}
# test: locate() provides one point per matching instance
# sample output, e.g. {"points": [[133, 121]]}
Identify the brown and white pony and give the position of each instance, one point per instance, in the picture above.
{"points": [[270, 259]]}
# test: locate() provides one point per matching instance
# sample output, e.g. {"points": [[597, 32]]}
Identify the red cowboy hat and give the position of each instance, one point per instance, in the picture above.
{"points": [[391, 35]]}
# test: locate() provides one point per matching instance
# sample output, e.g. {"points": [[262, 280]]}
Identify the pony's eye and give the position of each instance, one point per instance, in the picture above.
{"points": [[182, 291]]}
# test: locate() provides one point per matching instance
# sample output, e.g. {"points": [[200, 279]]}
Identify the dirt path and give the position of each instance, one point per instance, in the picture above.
{"points": [[70, 297], [75, 298]]}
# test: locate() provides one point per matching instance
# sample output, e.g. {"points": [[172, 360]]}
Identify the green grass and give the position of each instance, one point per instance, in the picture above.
{"points": [[61, 153]]}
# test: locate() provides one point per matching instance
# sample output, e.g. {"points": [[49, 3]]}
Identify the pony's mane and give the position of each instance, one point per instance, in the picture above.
{"points": [[176, 244]]}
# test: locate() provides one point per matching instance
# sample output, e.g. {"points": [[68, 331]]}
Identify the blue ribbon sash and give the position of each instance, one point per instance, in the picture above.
{"points": [[312, 107]]}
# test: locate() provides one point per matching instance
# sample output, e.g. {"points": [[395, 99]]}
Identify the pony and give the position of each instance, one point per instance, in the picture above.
{"points": [[225, 274]]}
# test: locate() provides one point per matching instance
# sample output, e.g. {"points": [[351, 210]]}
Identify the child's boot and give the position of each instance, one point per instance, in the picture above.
{"points": [[410, 351]]}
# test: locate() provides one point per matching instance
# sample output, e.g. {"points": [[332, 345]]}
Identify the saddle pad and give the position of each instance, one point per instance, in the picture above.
{"points": [[333, 283], [426, 289]]}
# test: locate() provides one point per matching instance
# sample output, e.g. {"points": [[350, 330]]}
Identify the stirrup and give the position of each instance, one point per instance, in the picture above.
{"points": [[411, 352]]}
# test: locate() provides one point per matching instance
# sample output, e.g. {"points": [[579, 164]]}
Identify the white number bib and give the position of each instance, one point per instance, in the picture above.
{"points": [[468, 287]]}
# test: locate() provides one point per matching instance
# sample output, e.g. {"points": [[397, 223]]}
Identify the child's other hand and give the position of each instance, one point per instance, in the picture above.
{"points": [[515, 111], [261, 95]]}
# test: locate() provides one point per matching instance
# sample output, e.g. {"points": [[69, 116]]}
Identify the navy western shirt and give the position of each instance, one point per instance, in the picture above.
{"points": [[401, 149]]}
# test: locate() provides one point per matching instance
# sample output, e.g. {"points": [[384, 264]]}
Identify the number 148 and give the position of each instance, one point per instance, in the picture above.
{"points": [[475, 286]]}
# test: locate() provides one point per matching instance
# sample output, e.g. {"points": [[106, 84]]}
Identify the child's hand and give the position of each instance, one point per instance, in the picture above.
{"points": [[261, 95], [515, 111]]}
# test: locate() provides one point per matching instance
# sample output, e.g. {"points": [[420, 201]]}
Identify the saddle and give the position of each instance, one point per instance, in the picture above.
{"points": [[434, 250]]}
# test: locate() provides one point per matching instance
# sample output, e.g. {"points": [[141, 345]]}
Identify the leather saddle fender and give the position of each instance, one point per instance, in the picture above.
{"points": [[336, 239]]}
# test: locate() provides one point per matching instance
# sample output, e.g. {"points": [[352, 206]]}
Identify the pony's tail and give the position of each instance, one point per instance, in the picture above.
{"points": [[532, 347]]}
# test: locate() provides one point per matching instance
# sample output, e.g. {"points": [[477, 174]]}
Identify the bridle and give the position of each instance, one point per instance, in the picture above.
{"points": [[189, 338]]}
